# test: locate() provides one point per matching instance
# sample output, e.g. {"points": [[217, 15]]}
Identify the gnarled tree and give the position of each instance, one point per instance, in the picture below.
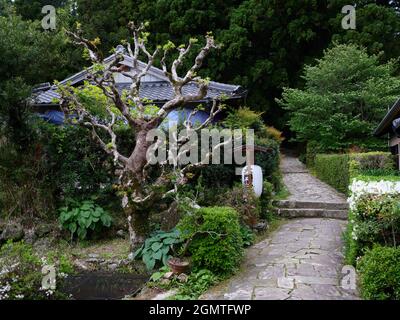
{"points": [[128, 108]]}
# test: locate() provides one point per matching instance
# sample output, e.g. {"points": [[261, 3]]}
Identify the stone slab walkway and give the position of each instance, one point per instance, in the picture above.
{"points": [[305, 187], [302, 260]]}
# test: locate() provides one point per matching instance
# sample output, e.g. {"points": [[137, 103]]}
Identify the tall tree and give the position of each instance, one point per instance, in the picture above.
{"points": [[137, 187], [346, 95]]}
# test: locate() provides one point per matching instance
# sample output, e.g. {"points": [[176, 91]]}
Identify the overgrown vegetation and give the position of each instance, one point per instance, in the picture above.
{"points": [[21, 273]]}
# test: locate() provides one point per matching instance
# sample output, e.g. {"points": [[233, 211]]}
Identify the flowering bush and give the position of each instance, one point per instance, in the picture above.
{"points": [[374, 216], [359, 188]]}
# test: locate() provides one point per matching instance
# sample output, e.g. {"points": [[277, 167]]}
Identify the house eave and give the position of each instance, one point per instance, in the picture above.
{"points": [[385, 125]]}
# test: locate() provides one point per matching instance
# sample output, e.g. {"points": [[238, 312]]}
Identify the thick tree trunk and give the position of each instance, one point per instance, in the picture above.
{"points": [[138, 220], [137, 159], [138, 225]]}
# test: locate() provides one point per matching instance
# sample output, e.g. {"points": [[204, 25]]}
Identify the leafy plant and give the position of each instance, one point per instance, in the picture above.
{"points": [[212, 237], [248, 236], [79, 218], [245, 202], [197, 284], [159, 274], [158, 248], [374, 220], [379, 273]]}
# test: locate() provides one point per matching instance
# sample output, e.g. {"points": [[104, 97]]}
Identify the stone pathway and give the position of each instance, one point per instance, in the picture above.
{"points": [[309, 197], [305, 187], [303, 259]]}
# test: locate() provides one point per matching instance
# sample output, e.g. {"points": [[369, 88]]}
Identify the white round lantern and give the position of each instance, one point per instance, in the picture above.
{"points": [[256, 176]]}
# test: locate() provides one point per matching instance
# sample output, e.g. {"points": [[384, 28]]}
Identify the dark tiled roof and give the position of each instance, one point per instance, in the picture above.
{"points": [[158, 91]]}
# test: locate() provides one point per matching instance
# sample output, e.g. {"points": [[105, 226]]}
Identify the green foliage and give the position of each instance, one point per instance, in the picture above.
{"points": [[245, 202], [79, 218], [214, 238], [158, 248], [334, 170], [21, 276], [76, 167], [24, 189], [379, 271], [342, 100], [375, 220], [352, 247], [265, 201], [156, 276], [244, 118], [371, 33], [197, 284], [248, 236], [313, 148], [268, 161], [338, 169]]}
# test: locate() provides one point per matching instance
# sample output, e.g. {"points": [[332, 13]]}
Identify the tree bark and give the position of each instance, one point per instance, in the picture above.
{"points": [[138, 225]]}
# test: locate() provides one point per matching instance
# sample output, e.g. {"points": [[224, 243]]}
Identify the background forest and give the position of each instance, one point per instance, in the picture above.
{"points": [[267, 43], [324, 87]]}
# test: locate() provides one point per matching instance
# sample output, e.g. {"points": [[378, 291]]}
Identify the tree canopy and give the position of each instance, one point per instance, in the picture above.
{"points": [[345, 96]]}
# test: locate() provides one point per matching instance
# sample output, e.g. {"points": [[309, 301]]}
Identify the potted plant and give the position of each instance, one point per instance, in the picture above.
{"points": [[178, 265]]}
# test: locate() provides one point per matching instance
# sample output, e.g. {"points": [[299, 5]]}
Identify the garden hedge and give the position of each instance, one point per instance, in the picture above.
{"points": [[379, 272], [338, 169]]}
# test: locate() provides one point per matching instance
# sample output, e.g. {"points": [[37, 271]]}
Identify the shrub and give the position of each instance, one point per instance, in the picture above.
{"points": [[374, 218], [268, 161], [82, 217], [265, 201], [334, 170], [24, 188], [337, 170], [158, 247], [76, 166], [244, 118], [274, 134], [213, 239], [245, 202], [313, 148], [379, 272]]}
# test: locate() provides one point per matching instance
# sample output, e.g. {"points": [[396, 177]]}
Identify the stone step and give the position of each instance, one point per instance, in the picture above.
{"points": [[311, 205], [312, 213]]}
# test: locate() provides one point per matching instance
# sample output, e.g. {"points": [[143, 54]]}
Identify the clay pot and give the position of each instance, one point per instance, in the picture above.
{"points": [[178, 265]]}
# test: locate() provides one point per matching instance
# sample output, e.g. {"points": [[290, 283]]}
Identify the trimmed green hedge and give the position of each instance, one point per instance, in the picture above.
{"points": [[334, 170], [338, 169]]}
